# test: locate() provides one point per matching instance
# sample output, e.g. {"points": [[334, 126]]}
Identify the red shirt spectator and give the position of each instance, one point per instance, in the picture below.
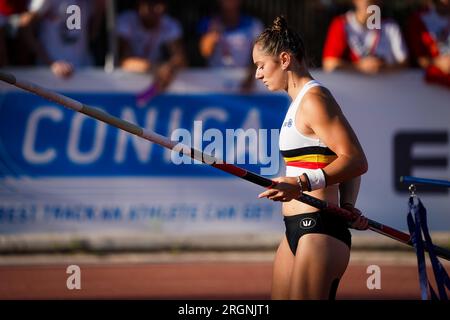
{"points": [[9, 7], [352, 44], [13, 29], [429, 40]]}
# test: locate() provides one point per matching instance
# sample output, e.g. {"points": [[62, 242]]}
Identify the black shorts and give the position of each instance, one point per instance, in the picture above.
{"points": [[317, 222]]}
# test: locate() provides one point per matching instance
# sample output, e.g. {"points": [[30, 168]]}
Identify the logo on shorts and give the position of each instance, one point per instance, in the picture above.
{"points": [[307, 223]]}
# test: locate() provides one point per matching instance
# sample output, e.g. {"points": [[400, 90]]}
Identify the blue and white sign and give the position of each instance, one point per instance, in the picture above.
{"points": [[63, 173]]}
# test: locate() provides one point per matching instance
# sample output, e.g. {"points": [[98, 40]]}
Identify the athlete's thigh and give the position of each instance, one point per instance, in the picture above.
{"points": [[282, 269], [320, 259]]}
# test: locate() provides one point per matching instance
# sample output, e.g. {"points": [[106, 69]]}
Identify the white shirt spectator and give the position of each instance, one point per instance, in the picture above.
{"points": [[146, 43], [234, 48], [59, 42]]}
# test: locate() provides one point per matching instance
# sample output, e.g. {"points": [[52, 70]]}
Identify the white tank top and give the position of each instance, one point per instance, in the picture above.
{"points": [[301, 153]]}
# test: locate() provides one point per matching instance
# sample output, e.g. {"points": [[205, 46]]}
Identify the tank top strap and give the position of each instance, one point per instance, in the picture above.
{"points": [[296, 102]]}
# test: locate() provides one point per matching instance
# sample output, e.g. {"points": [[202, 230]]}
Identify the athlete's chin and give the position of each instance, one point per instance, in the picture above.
{"points": [[274, 89], [271, 87]]}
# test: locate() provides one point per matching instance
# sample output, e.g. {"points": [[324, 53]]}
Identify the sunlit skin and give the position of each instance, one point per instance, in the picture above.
{"points": [[286, 73]]}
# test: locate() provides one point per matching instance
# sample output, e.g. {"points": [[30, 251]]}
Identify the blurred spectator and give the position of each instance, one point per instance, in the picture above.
{"points": [[14, 30], [3, 53], [150, 40], [63, 49], [227, 38], [350, 44], [429, 40]]}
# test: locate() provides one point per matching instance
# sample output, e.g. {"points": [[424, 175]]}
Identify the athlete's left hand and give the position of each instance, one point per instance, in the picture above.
{"points": [[361, 223], [286, 190]]}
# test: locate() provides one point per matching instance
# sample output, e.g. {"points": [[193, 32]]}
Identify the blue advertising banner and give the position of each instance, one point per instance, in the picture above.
{"points": [[61, 171], [40, 139]]}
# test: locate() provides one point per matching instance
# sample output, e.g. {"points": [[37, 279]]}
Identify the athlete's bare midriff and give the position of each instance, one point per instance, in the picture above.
{"points": [[329, 194]]}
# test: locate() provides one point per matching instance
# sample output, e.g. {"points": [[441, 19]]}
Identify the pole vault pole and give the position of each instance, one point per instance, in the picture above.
{"points": [[200, 156]]}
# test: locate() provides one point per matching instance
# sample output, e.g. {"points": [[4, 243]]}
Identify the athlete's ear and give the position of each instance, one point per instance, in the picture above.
{"points": [[285, 60]]}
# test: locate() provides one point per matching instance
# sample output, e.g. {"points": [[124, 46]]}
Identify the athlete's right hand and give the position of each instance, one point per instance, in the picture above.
{"points": [[361, 223], [285, 190]]}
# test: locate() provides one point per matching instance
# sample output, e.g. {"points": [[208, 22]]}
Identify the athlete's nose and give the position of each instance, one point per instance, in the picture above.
{"points": [[258, 74]]}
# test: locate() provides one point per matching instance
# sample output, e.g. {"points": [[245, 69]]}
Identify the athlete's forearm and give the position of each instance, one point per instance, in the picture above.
{"points": [[345, 168], [348, 191]]}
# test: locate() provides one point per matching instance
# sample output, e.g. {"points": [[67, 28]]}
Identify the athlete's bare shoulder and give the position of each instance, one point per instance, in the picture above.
{"points": [[319, 101]]}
